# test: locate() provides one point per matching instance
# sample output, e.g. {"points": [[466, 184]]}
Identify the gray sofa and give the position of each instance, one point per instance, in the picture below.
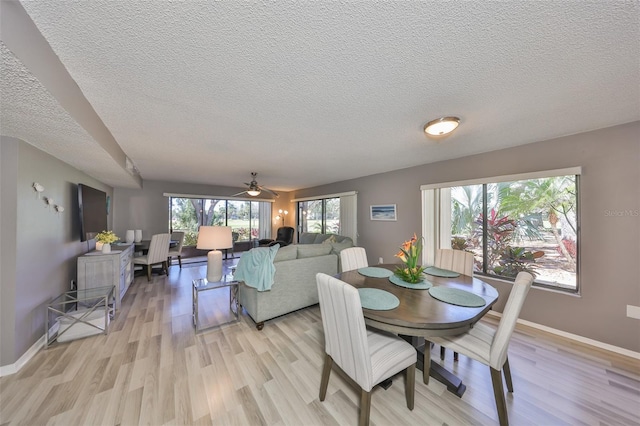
{"points": [[294, 284], [316, 238]]}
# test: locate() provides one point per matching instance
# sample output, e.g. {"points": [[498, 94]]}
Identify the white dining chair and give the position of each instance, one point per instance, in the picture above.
{"points": [[177, 250], [366, 356], [458, 261], [157, 254], [455, 260], [353, 258], [489, 346]]}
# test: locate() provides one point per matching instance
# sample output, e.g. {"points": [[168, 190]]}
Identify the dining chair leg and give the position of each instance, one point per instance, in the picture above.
{"points": [[165, 267], [410, 385], [455, 356], [442, 350], [507, 375], [365, 408], [326, 371], [180, 261], [501, 404], [148, 272], [426, 367]]}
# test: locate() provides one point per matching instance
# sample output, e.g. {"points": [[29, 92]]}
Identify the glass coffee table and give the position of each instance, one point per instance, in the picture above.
{"points": [[79, 313], [201, 285]]}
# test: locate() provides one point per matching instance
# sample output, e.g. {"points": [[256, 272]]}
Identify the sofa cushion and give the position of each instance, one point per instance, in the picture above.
{"points": [[312, 250], [286, 253], [307, 238], [320, 238], [336, 248], [343, 239]]}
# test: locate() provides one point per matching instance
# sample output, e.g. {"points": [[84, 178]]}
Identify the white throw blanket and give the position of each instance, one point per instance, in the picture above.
{"points": [[256, 268]]}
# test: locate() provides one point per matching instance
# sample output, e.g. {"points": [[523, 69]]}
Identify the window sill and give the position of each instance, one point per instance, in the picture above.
{"points": [[536, 286]]}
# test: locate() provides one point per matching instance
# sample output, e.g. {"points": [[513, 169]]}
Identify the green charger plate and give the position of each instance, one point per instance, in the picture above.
{"points": [[376, 299]]}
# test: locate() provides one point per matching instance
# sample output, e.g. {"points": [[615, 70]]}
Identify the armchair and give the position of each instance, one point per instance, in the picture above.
{"points": [[284, 237]]}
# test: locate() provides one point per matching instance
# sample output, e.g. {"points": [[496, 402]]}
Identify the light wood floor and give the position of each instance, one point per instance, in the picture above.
{"points": [[152, 369]]}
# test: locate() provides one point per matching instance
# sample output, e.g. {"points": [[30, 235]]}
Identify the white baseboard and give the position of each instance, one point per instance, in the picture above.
{"points": [[7, 370], [575, 337]]}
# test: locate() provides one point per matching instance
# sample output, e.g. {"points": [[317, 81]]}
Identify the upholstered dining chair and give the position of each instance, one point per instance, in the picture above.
{"points": [[353, 258], [455, 260], [489, 346], [458, 261], [157, 254], [366, 356], [177, 250]]}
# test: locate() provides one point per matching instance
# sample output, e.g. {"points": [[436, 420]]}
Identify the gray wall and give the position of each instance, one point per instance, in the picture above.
{"points": [[610, 245], [39, 246], [148, 209]]}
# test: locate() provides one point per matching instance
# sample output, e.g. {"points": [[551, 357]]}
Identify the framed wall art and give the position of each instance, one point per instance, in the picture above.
{"points": [[384, 212]]}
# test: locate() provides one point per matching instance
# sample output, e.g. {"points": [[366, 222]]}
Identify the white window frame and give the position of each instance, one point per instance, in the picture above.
{"points": [[436, 216], [348, 212]]}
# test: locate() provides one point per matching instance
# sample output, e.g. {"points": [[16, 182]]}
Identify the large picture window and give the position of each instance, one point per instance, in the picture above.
{"points": [[321, 216], [187, 214], [329, 214], [514, 225]]}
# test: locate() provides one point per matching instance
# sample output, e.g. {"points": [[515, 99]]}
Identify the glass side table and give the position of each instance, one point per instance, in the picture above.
{"points": [[201, 285], [79, 313]]}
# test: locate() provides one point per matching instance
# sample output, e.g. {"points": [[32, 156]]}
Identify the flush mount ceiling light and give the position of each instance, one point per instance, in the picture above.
{"points": [[441, 126]]}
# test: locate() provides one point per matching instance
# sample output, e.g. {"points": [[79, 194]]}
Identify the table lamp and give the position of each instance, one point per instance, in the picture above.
{"points": [[214, 238]]}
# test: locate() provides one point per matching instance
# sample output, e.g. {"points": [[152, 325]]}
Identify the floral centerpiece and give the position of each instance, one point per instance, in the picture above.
{"points": [[410, 255], [106, 237]]}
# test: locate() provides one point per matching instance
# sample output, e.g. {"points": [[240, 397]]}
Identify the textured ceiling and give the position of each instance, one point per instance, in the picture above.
{"points": [[307, 93]]}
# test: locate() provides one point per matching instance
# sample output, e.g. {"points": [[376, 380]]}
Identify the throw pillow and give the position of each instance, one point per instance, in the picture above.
{"points": [[338, 247], [286, 253], [331, 239], [313, 250], [320, 238], [307, 238]]}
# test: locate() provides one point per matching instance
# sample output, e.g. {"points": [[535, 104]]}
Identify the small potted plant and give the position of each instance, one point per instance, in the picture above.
{"points": [[106, 238]]}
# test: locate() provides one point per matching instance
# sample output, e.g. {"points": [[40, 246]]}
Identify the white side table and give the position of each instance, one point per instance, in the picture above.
{"points": [[200, 285]]}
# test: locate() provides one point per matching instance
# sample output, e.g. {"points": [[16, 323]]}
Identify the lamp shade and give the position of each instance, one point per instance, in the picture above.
{"points": [[214, 238]]}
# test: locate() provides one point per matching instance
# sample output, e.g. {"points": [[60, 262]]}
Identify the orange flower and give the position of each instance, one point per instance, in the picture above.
{"points": [[409, 254]]}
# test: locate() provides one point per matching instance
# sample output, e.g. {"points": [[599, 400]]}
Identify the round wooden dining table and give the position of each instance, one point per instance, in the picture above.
{"points": [[143, 246], [420, 316]]}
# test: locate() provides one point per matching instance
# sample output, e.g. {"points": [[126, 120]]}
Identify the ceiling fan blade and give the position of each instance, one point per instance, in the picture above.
{"points": [[239, 193], [270, 191]]}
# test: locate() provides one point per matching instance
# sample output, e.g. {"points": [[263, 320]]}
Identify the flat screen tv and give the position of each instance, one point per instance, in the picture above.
{"points": [[92, 204]]}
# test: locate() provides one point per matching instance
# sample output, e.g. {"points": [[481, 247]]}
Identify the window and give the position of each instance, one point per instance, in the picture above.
{"points": [[512, 225], [329, 214], [321, 216], [187, 214]]}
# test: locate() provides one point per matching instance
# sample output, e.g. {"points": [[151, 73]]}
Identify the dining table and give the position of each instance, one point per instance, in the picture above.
{"points": [[419, 315], [143, 246]]}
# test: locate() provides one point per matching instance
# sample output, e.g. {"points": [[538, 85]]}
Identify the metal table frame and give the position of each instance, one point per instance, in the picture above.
{"points": [[200, 285], [70, 301]]}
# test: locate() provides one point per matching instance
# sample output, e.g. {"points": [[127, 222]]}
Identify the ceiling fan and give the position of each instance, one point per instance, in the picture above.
{"points": [[255, 189]]}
